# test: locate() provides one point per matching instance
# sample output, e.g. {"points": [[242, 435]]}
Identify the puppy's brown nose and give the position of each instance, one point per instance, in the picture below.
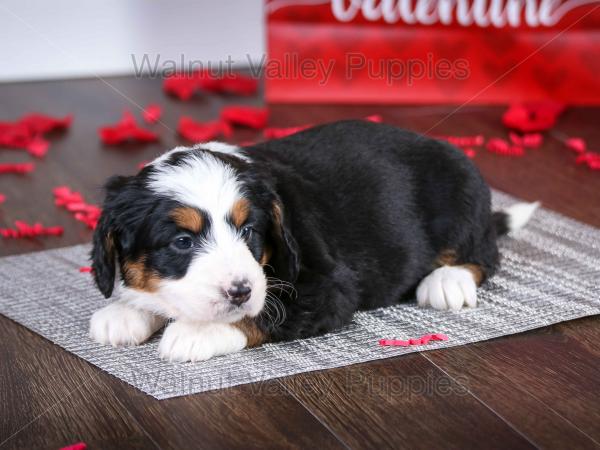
{"points": [[239, 292]]}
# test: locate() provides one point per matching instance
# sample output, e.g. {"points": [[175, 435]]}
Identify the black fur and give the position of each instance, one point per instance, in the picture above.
{"points": [[371, 207]]}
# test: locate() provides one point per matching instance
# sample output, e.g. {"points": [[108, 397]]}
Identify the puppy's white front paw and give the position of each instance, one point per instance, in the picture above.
{"points": [[183, 341], [448, 287], [119, 324]]}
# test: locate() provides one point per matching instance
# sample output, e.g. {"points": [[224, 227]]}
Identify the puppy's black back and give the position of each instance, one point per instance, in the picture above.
{"points": [[372, 207]]}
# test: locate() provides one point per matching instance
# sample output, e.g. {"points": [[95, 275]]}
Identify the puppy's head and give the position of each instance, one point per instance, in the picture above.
{"points": [[193, 236]]}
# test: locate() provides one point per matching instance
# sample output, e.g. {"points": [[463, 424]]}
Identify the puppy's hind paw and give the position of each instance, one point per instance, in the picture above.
{"points": [[448, 287]]}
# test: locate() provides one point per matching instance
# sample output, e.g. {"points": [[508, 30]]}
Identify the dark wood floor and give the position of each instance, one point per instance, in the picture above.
{"points": [[536, 389]]}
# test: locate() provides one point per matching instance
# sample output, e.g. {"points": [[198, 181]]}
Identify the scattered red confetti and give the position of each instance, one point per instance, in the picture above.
{"points": [[274, 133], [247, 116], [74, 202], [2, 198], [24, 230], [502, 147], [126, 130], [184, 86], [28, 132], [463, 141], [152, 113], [577, 145], [470, 152], [78, 446], [19, 168], [85, 269], [202, 131], [528, 117], [418, 341]]}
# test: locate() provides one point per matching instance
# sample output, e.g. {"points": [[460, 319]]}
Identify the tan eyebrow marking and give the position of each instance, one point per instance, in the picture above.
{"points": [[240, 211], [187, 218]]}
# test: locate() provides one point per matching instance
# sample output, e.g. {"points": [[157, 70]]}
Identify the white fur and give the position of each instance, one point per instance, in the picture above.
{"points": [[186, 341], [448, 287], [119, 324], [519, 214], [204, 182]]}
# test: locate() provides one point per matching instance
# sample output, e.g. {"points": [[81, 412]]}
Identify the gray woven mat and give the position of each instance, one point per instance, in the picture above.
{"points": [[550, 273]]}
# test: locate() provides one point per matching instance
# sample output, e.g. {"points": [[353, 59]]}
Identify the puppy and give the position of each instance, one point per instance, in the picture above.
{"points": [[286, 239]]}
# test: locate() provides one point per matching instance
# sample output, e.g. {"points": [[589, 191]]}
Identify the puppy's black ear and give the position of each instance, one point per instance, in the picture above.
{"points": [[104, 250], [104, 256], [286, 259]]}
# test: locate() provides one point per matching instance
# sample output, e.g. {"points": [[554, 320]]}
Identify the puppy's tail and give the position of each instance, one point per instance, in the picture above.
{"points": [[514, 217]]}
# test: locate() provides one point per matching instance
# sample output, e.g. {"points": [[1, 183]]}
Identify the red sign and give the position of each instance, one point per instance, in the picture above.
{"points": [[433, 51]]}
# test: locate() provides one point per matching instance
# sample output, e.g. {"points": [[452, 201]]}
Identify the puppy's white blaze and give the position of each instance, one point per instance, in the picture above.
{"points": [[519, 214], [204, 182]]}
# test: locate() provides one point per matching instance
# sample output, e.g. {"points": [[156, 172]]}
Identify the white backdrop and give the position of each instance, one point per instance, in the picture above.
{"points": [[44, 39]]}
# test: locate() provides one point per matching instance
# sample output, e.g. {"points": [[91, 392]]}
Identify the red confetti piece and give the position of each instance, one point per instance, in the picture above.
{"points": [[502, 147], [532, 140], [469, 152], [184, 86], [24, 230], [38, 147], [40, 123], [236, 84], [423, 340], [27, 133], [530, 117], [126, 130], [374, 118], [463, 141], [247, 116], [275, 133], [74, 202], [592, 160], [202, 131], [19, 168], [152, 113], [2, 198], [85, 269], [577, 145], [528, 140], [142, 164], [77, 446]]}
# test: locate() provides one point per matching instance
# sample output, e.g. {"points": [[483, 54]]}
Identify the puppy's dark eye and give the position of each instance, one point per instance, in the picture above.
{"points": [[247, 232], [183, 243]]}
